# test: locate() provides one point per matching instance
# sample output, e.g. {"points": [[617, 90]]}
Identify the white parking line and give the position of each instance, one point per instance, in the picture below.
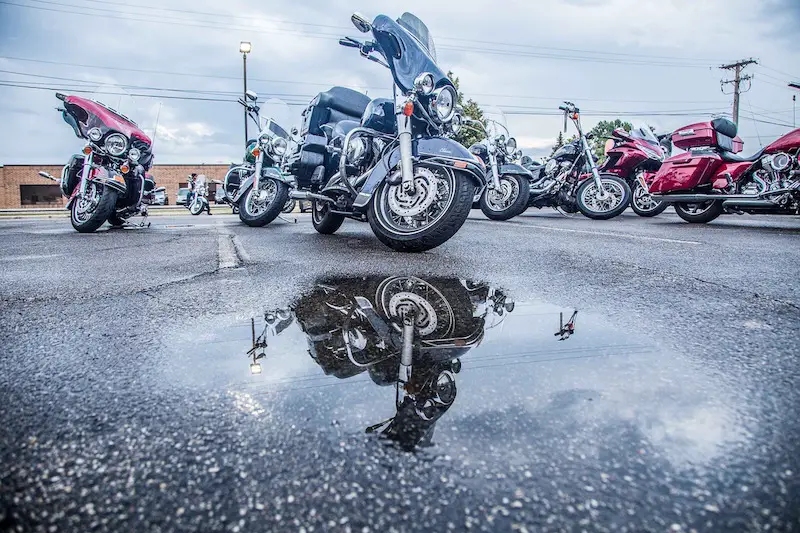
{"points": [[614, 234]]}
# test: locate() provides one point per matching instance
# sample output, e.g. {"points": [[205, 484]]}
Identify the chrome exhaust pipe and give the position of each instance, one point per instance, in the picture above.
{"points": [[305, 195], [752, 204]]}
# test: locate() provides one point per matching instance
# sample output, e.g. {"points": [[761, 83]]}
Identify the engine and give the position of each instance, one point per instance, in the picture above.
{"points": [[777, 179]]}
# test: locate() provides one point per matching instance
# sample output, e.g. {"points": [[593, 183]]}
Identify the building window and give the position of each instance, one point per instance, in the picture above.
{"points": [[40, 195]]}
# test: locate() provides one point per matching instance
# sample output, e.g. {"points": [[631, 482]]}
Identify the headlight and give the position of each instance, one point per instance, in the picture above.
{"points": [[444, 103], [264, 140], [652, 153], [457, 123], [550, 167], [134, 154], [278, 146], [424, 83], [116, 143], [511, 145], [94, 134]]}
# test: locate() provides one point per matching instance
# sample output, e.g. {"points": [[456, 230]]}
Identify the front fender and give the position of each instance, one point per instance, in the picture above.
{"points": [[513, 168], [109, 178], [433, 150], [266, 172]]}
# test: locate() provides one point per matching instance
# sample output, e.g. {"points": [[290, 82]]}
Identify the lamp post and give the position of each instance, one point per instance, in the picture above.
{"points": [[244, 48], [794, 104]]}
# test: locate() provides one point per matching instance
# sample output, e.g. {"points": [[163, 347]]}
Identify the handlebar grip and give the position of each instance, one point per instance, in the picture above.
{"points": [[350, 43], [562, 108]]}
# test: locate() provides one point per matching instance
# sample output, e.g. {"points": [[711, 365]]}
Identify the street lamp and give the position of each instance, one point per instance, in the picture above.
{"points": [[794, 104], [245, 47]]}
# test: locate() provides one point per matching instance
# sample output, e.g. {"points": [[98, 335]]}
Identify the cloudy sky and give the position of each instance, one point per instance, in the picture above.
{"points": [[650, 62]]}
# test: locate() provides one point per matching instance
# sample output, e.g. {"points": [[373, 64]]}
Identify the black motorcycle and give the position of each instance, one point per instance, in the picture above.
{"points": [[571, 182], [387, 161], [403, 331], [508, 184]]}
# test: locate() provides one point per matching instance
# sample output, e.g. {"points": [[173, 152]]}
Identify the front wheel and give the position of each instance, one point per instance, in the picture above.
{"points": [[508, 201], [197, 206], [258, 208], [95, 206], [594, 206], [699, 213], [424, 216], [324, 221], [643, 204]]}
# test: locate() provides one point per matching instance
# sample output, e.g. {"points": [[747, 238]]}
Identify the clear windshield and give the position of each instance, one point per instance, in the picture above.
{"points": [[644, 133], [496, 122], [119, 101], [201, 181], [276, 117], [419, 30]]}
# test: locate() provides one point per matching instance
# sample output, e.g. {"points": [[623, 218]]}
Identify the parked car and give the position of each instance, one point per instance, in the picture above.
{"points": [[183, 194], [160, 198]]}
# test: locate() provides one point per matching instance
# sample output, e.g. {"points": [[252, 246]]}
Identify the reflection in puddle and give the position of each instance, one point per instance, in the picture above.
{"points": [[469, 370]]}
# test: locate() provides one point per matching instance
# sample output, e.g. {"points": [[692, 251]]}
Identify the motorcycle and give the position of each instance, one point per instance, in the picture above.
{"points": [[387, 161], [108, 181], [257, 189], [710, 179], [403, 331], [636, 156], [198, 201], [564, 185], [508, 184]]}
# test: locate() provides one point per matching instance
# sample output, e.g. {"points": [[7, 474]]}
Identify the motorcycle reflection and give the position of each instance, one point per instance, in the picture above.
{"points": [[403, 331], [565, 331]]}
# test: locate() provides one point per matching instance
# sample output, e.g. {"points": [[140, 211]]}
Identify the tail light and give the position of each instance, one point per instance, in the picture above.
{"points": [[609, 146]]}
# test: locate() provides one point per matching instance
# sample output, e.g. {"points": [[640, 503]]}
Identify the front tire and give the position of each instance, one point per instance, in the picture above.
{"points": [[699, 213], [511, 200], [324, 221], [596, 208], [258, 208], [438, 207], [90, 211], [197, 206], [643, 203]]}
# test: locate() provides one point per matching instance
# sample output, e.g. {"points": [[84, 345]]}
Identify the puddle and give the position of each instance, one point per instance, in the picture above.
{"points": [[458, 366]]}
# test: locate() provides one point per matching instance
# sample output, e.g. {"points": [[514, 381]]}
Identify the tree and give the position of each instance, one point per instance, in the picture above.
{"points": [[602, 132], [467, 136], [559, 143]]}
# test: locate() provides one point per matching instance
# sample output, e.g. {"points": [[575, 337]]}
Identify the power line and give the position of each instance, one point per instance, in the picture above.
{"points": [[737, 80]]}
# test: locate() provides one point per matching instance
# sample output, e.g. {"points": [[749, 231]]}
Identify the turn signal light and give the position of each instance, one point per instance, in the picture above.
{"points": [[119, 179], [87, 150], [575, 116], [256, 152], [408, 108], [124, 168]]}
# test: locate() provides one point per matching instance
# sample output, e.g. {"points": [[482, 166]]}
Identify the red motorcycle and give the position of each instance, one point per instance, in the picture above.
{"points": [[636, 156], [710, 179], [108, 180]]}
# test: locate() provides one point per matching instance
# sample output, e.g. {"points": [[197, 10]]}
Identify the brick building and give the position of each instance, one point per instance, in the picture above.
{"points": [[21, 186]]}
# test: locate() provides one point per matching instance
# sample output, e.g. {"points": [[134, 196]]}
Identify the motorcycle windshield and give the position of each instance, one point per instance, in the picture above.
{"points": [[275, 114], [496, 123], [644, 133], [96, 112], [408, 48]]}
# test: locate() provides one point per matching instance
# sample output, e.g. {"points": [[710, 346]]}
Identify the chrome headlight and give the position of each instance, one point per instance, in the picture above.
{"points": [[443, 103], [116, 144], [550, 167], [94, 134], [134, 154], [424, 83], [511, 145], [456, 124], [278, 146], [264, 140]]}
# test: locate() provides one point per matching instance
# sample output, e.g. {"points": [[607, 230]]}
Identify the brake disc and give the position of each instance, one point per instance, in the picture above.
{"points": [[417, 201], [425, 319]]}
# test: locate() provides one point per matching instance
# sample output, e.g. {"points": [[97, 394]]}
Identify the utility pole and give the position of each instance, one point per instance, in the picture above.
{"points": [[737, 82]]}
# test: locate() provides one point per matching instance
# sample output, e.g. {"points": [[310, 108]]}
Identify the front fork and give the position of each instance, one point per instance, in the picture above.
{"points": [[257, 175], [87, 167], [406, 155], [406, 356], [493, 163], [595, 173]]}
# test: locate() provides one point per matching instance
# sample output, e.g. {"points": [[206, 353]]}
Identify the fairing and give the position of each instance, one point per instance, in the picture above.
{"points": [[405, 54], [90, 114], [789, 142]]}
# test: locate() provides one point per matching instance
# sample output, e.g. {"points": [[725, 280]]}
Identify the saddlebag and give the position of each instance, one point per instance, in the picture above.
{"points": [[686, 171], [719, 133]]}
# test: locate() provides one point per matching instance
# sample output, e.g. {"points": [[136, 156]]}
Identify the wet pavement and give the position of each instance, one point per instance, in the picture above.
{"points": [[262, 380]]}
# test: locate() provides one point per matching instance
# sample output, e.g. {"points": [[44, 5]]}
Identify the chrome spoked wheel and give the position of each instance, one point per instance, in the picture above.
{"points": [[433, 314], [413, 211], [86, 204], [258, 201], [592, 199], [504, 197], [197, 207]]}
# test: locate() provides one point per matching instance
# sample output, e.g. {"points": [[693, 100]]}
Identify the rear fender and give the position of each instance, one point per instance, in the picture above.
{"points": [[266, 173], [432, 150]]}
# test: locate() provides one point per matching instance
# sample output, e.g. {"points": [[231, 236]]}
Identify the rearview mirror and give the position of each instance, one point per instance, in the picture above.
{"points": [[294, 131], [251, 95], [361, 23]]}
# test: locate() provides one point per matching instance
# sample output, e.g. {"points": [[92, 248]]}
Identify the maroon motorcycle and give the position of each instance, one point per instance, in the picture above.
{"points": [[710, 179], [636, 156], [108, 180]]}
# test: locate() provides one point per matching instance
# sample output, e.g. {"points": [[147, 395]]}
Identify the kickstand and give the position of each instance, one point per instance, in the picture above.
{"points": [[286, 219]]}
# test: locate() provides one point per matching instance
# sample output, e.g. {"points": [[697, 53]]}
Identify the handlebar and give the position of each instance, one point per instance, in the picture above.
{"points": [[349, 42]]}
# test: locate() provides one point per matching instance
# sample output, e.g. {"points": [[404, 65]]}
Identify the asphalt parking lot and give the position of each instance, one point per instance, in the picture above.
{"points": [[129, 402]]}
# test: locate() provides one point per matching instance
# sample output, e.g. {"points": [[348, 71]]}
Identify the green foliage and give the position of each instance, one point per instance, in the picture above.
{"points": [[602, 132], [560, 141], [467, 136]]}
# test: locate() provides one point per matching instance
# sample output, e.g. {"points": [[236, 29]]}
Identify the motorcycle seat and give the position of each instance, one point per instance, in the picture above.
{"points": [[731, 157]]}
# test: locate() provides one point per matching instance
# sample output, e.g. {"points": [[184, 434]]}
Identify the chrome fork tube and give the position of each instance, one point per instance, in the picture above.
{"points": [[407, 352], [406, 161], [87, 166], [593, 165], [259, 165], [493, 163]]}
